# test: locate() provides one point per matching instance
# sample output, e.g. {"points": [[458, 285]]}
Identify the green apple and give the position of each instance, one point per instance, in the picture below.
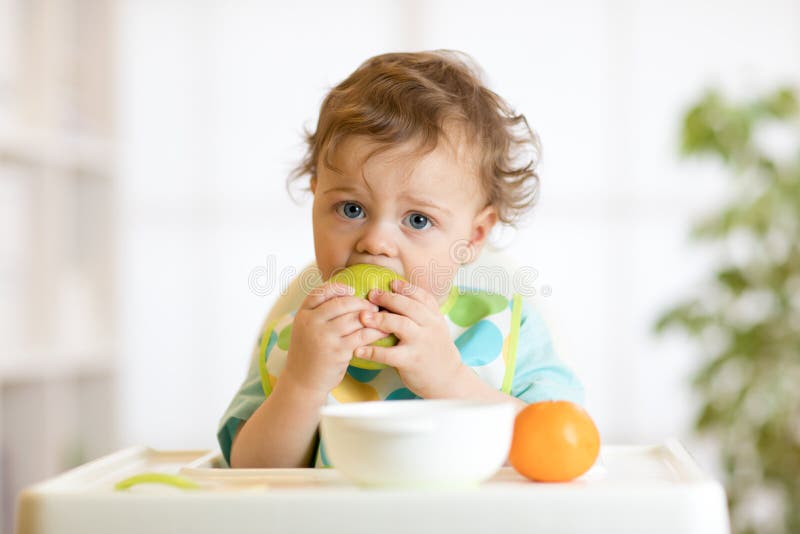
{"points": [[364, 277]]}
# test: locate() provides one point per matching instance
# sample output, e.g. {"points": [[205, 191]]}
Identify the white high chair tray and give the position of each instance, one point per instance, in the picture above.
{"points": [[631, 489]]}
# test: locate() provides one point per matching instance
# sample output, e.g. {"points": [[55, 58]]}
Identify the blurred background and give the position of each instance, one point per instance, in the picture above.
{"points": [[145, 227]]}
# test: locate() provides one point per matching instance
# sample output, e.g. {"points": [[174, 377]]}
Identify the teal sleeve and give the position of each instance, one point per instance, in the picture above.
{"points": [[245, 401], [539, 374]]}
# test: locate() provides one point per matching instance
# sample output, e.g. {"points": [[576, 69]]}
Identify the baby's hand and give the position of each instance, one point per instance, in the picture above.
{"points": [[325, 332], [426, 358]]}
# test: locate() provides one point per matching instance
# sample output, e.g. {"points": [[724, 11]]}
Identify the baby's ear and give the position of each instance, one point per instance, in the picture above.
{"points": [[482, 224]]}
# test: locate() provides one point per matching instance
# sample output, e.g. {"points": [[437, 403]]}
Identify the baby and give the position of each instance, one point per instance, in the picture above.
{"points": [[412, 163]]}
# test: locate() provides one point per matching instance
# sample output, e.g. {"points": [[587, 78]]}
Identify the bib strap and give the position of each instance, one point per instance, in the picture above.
{"points": [[263, 351], [513, 338]]}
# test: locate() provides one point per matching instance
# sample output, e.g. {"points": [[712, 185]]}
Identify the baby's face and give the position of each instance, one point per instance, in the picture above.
{"points": [[412, 214]]}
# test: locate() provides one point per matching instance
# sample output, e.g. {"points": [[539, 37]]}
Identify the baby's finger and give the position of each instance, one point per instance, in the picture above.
{"points": [[422, 296], [335, 307], [325, 292], [401, 304], [392, 356], [364, 336], [346, 324], [399, 325]]}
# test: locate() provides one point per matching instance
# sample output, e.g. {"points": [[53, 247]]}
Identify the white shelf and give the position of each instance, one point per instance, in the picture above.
{"points": [[61, 151], [57, 162], [44, 365]]}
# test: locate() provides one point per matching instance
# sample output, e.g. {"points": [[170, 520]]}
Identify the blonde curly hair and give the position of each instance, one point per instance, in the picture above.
{"points": [[398, 97]]}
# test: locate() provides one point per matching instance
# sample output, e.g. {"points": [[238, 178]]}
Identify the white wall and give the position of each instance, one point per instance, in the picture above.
{"points": [[213, 99]]}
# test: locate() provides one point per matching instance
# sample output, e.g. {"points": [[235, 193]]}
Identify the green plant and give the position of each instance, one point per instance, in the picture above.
{"points": [[746, 318]]}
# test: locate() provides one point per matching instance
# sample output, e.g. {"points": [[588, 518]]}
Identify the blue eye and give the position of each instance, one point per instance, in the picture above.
{"points": [[418, 221], [350, 210]]}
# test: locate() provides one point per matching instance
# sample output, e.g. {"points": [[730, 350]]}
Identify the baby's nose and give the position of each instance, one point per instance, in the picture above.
{"points": [[378, 240]]}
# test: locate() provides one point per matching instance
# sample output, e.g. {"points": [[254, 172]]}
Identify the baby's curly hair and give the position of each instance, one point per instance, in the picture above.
{"points": [[398, 97]]}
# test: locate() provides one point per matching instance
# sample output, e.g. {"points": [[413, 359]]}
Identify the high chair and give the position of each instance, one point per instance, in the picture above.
{"points": [[658, 489]]}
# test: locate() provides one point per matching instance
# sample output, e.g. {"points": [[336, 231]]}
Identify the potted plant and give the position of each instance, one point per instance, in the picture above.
{"points": [[746, 319]]}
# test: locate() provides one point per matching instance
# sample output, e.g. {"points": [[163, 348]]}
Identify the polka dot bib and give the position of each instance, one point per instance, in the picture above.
{"points": [[483, 325]]}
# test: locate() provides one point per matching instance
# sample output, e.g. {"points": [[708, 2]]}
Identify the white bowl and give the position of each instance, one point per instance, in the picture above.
{"points": [[418, 443]]}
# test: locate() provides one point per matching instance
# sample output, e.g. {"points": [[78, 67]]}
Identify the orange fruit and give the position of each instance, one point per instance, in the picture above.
{"points": [[554, 441]]}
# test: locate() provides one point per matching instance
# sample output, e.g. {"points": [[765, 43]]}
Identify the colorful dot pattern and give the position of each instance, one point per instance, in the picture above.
{"points": [[479, 323]]}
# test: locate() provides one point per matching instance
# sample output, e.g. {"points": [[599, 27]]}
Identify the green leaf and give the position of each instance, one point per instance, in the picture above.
{"points": [[733, 279], [782, 104], [684, 316]]}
